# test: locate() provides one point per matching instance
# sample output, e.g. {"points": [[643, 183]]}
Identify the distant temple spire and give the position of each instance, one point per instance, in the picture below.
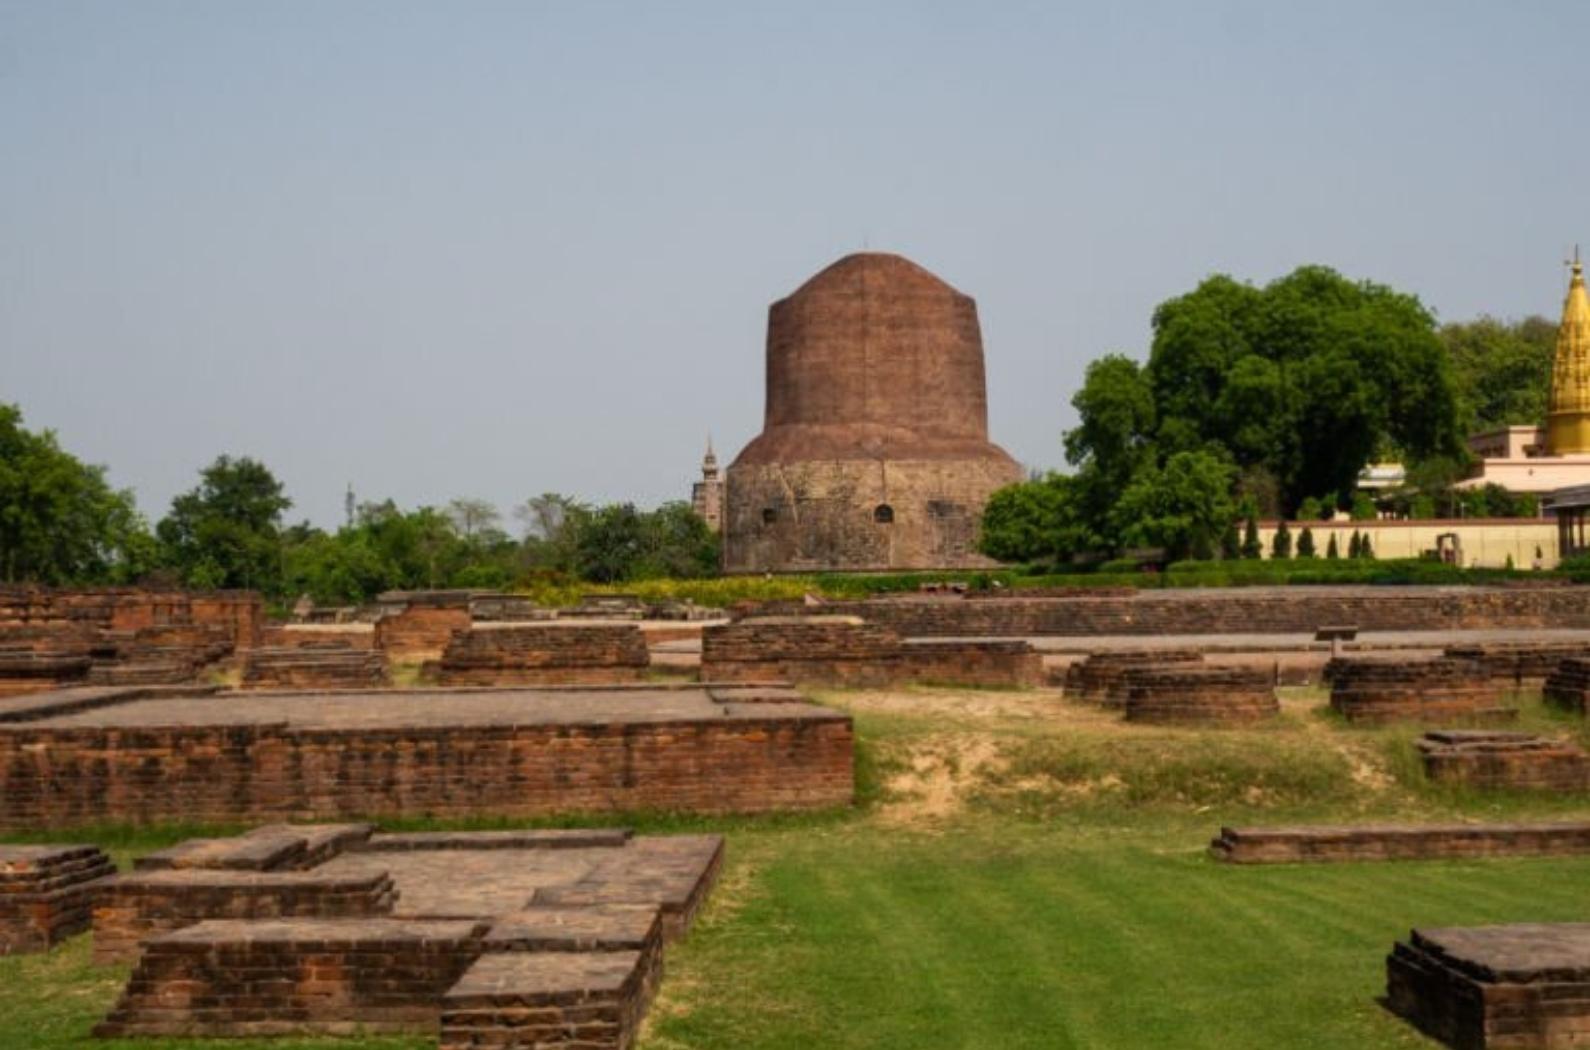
{"points": [[706, 495], [1568, 422]]}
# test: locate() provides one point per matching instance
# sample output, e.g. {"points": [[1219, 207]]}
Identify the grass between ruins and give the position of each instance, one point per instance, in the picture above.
{"points": [[1023, 872]]}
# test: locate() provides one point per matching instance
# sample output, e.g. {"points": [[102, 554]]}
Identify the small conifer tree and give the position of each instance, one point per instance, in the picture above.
{"points": [[1251, 548], [1332, 552], [1305, 543], [1355, 546], [1281, 547], [1367, 550]]}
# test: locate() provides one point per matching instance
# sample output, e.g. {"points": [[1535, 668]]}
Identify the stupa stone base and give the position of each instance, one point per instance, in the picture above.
{"points": [[1510, 761], [1195, 695], [1519, 987], [314, 668], [1101, 678], [1375, 691]]}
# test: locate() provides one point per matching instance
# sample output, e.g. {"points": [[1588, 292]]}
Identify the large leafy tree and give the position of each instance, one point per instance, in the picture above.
{"points": [[1183, 507], [226, 532], [1034, 521], [1502, 370], [60, 521], [1304, 379]]}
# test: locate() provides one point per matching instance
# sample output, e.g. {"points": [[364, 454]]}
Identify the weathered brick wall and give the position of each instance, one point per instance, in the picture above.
{"points": [[47, 893], [1568, 685], [1385, 689], [1508, 761], [1101, 678], [309, 668], [421, 631], [1518, 662], [66, 776], [319, 636], [1194, 695], [846, 651], [1325, 843], [1235, 610], [543, 653]]}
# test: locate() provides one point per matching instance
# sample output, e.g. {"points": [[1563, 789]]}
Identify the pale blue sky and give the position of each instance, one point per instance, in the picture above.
{"points": [[492, 249]]}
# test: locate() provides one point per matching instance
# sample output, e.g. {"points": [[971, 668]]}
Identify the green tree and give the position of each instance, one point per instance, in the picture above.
{"points": [[1036, 520], [1366, 549], [1182, 507], [1332, 551], [1113, 440], [1305, 543], [1251, 547], [1230, 543], [1502, 370], [1281, 545], [1363, 508], [60, 521], [226, 532], [1355, 546]]}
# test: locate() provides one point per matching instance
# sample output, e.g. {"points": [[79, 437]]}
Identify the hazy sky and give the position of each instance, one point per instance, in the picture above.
{"points": [[481, 249]]}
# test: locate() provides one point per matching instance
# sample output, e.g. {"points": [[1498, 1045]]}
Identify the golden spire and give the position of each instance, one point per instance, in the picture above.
{"points": [[1568, 423]]}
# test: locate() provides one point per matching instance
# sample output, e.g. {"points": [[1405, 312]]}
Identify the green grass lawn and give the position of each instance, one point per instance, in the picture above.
{"points": [[1027, 873]]}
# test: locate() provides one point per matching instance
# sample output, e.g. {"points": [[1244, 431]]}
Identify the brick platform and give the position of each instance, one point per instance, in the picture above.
{"points": [[1568, 685], [1291, 845], [47, 894], [305, 667], [1377, 690], [1519, 987], [1101, 677], [423, 628], [1518, 662], [500, 939], [1201, 695], [76, 759], [849, 652], [1513, 761], [543, 653]]}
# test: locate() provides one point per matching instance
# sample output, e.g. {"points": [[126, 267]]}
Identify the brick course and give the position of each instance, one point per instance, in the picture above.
{"points": [[1510, 761], [47, 893], [1376, 690], [543, 653], [1201, 695], [1289, 845]]}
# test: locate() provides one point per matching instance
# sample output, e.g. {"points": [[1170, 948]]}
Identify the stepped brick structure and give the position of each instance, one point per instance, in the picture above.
{"points": [[1518, 662], [1569, 684], [1071, 612], [516, 938], [1524, 986], [1371, 842], [874, 452], [314, 668], [543, 653], [1196, 695], [168, 753], [47, 893], [1376, 690], [846, 651], [424, 626], [1509, 761], [1101, 677]]}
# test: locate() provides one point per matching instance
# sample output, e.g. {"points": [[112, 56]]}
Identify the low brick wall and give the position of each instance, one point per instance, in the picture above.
{"points": [[260, 978], [47, 894], [421, 631], [311, 668], [544, 653], [1232, 610], [1293, 845], [571, 1001], [1518, 662], [1101, 678], [1376, 690], [319, 636], [1509, 761], [731, 758], [1201, 695], [849, 652], [1568, 685], [1520, 986]]}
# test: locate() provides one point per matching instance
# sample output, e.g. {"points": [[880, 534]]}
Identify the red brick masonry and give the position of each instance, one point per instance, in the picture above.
{"points": [[70, 759], [46, 893], [1288, 845], [1509, 761], [1519, 987], [536, 654]]}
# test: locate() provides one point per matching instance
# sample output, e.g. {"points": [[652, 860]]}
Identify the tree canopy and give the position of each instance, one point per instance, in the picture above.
{"points": [[1502, 370]]}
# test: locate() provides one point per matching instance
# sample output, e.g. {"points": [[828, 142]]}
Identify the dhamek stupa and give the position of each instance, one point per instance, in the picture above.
{"points": [[874, 451], [1544, 459]]}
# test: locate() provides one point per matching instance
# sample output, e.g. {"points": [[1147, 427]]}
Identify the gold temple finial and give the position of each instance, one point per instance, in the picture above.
{"points": [[1568, 418]]}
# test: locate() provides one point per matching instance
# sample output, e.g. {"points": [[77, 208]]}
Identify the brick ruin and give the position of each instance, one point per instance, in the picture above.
{"points": [[1231, 610], [1374, 842], [1101, 676], [156, 754], [1487, 760], [544, 653], [47, 893], [1519, 663], [1377, 690], [513, 938], [1201, 695], [847, 651], [118, 636], [1568, 685], [314, 667], [424, 626], [1525, 985]]}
